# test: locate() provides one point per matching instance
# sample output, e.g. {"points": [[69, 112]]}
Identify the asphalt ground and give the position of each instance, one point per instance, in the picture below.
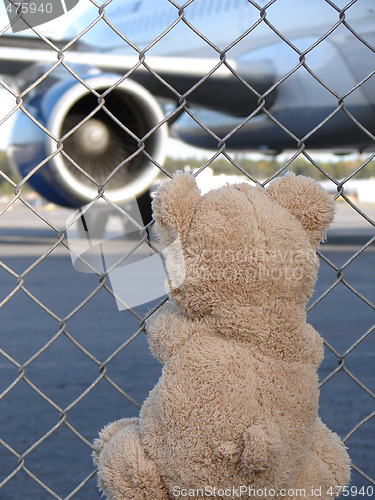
{"points": [[66, 369]]}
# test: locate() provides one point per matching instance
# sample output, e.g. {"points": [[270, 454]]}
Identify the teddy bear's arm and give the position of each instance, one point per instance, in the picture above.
{"points": [[167, 330], [125, 470]]}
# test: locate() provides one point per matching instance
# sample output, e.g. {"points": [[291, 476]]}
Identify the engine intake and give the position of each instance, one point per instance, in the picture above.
{"points": [[98, 139]]}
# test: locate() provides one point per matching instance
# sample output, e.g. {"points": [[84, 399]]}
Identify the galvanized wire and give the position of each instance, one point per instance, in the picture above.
{"points": [[141, 61]]}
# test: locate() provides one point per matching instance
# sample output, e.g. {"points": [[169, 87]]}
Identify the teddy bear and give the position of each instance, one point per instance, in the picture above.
{"points": [[235, 411]]}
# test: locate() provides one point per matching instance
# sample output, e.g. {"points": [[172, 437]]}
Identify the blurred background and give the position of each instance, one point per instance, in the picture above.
{"points": [[295, 91]]}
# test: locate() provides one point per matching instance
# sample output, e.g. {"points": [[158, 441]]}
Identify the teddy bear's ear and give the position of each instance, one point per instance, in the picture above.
{"points": [[174, 206], [306, 200]]}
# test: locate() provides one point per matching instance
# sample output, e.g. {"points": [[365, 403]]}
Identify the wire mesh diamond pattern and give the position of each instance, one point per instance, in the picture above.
{"points": [[52, 420]]}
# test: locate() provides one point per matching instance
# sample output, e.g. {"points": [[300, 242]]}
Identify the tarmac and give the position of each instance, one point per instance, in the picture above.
{"points": [[67, 372]]}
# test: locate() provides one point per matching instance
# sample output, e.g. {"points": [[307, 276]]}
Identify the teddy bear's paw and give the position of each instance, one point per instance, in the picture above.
{"points": [[332, 455], [108, 432], [261, 446], [125, 471]]}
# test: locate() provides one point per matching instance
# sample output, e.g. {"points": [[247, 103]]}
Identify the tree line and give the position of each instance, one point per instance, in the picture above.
{"points": [[260, 169], [263, 168]]}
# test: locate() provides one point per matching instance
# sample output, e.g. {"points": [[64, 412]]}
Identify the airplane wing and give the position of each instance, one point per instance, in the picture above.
{"points": [[228, 87]]}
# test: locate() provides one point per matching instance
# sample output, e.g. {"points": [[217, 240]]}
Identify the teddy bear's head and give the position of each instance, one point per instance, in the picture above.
{"points": [[240, 245]]}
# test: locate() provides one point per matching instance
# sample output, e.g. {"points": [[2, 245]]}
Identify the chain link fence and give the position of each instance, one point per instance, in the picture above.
{"points": [[70, 361]]}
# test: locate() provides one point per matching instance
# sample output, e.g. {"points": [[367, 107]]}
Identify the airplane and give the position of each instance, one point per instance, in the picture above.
{"points": [[234, 74]]}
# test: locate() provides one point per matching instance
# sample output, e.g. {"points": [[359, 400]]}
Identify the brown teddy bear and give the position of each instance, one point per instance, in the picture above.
{"points": [[235, 412]]}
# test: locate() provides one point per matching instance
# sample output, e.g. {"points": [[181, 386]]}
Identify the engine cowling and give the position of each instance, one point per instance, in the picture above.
{"points": [[98, 146]]}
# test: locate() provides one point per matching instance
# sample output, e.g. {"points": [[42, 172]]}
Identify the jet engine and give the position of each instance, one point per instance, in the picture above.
{"points": [[66, 133]]}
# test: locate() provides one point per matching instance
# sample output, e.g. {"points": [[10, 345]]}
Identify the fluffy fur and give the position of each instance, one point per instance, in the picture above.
{"points": [[237, 401]]}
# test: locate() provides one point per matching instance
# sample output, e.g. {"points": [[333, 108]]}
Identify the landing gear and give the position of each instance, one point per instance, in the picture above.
{"points": [[93, 223], [144, 204]]}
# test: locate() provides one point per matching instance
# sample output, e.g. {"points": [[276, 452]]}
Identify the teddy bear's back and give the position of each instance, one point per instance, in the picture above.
{"points": [[208, 394]]}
